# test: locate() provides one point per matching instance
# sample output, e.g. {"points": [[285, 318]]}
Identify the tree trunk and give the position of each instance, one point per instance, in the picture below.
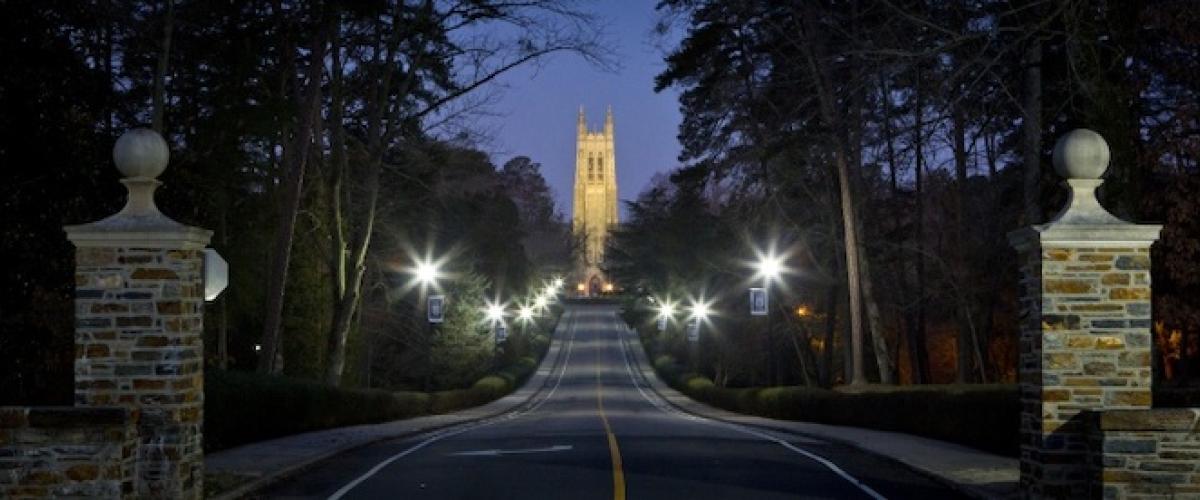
{"points": [[1032, 127], [223, 302], [360, 241], [883, 357], [295, 160], [803, 355], [965, 347], [918, 345], [160, 71], [824, 88], [825, 373]]}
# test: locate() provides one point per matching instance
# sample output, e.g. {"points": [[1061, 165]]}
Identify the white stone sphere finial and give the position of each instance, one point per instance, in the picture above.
{"points": [[1081, 154], [141, 153]]}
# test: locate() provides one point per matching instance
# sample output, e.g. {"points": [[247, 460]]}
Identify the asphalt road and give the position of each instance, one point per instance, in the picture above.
{"points": [[596, 431]]}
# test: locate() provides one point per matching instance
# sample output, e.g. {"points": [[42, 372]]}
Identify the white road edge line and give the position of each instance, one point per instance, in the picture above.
{"points": [[439, 435], [622, 329]]}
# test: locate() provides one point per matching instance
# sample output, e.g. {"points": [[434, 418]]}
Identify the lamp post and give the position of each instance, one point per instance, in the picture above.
{"points": [[700, 312], [427, 273], [769, 268], [666, 312], [495, 317]]}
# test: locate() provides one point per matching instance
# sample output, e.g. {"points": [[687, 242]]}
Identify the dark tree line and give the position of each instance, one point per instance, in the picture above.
{"points": [[888, 147], [326, 143]]}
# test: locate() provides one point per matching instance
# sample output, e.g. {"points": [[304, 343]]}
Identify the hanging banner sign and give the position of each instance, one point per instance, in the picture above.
{"points": [[758, 302], [501, 333], [662, 323], [436, 308], [693, 330]]}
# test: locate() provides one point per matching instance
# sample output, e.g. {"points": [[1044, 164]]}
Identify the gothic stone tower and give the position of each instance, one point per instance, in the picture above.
{"points": [[595, 207]]}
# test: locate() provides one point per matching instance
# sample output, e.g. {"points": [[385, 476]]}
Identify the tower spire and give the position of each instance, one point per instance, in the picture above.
{"points": [[608, 122], [582, 122]]}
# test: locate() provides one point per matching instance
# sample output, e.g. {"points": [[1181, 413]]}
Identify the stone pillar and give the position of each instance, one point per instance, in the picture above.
{"points": [[139, 300], [1085, 322]]}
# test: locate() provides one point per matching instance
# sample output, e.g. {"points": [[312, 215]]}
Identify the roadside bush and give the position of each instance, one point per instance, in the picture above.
{"points": [[667, 367], [242, 407]]}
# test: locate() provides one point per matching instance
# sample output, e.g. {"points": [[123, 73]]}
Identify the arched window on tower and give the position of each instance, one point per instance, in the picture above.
{"points": [[591, 168], [600, 168]]}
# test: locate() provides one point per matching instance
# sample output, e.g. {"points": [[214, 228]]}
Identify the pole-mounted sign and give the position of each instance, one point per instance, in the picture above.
{"points": [[436, 308], [501, 333], [758, 302], [662, 323], [216, 274], [693, 330]]}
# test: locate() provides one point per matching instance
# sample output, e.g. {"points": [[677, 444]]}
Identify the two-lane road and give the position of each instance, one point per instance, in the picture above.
{"points": [[596, 431]]}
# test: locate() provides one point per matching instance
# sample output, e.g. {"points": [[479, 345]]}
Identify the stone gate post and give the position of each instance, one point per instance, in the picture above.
{"points": [[1085, 322], [138, 335]]}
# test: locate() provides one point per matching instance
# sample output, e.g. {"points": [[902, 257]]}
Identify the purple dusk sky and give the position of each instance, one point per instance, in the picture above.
{"points": [[537, 108]]}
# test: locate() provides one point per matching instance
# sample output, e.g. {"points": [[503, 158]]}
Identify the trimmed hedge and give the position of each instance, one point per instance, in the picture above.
{"points": [[488, 388], [244, 407], [986, 417]]}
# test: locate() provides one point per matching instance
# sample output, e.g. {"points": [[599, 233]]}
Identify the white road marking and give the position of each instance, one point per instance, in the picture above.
{"points": [[496, 453], [439, 435], [665, 407]]}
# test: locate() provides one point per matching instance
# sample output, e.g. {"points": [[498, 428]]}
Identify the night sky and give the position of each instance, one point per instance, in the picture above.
{"points": [[538, 106]]}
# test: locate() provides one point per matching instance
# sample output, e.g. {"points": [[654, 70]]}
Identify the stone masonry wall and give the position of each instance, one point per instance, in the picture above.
{"points": [[1085, 344], [66, 452], [1146, 453], [139, 345]]}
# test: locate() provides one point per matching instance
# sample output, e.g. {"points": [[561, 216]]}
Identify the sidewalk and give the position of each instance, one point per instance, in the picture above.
{"points": [[257, 465], [973, 472]]}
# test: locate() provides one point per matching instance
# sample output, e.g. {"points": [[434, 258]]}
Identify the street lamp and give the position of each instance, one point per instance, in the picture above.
{"points": [[426, 272], [495, 312], [525, 314], [666, 312], [700, 311], [769, 268]]}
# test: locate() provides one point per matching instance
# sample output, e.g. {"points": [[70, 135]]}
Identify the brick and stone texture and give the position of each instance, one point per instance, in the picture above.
{"points": [[138, 344], [1084, 345], [1145, 453], [66, 452]]}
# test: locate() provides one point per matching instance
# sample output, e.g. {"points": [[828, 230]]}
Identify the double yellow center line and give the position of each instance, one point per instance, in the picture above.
{"points": [[613, 450]]}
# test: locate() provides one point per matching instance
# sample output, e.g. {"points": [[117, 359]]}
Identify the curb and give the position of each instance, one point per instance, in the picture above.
{"points": [[276, 476], [969, 490]]}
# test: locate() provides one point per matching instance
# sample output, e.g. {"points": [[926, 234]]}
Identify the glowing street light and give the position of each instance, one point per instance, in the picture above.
{"points": [[525, 314], [770, 267], [558, 283], [700, 310], [540, 302], [666, 312], [427, 273], [495, 312]]}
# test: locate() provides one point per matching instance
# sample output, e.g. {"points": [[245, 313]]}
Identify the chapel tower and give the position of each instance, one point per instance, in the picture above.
{"points": [[595, 207]]}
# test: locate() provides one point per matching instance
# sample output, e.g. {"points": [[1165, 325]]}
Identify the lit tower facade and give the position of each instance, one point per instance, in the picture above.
{"points": [[595, 207]]}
